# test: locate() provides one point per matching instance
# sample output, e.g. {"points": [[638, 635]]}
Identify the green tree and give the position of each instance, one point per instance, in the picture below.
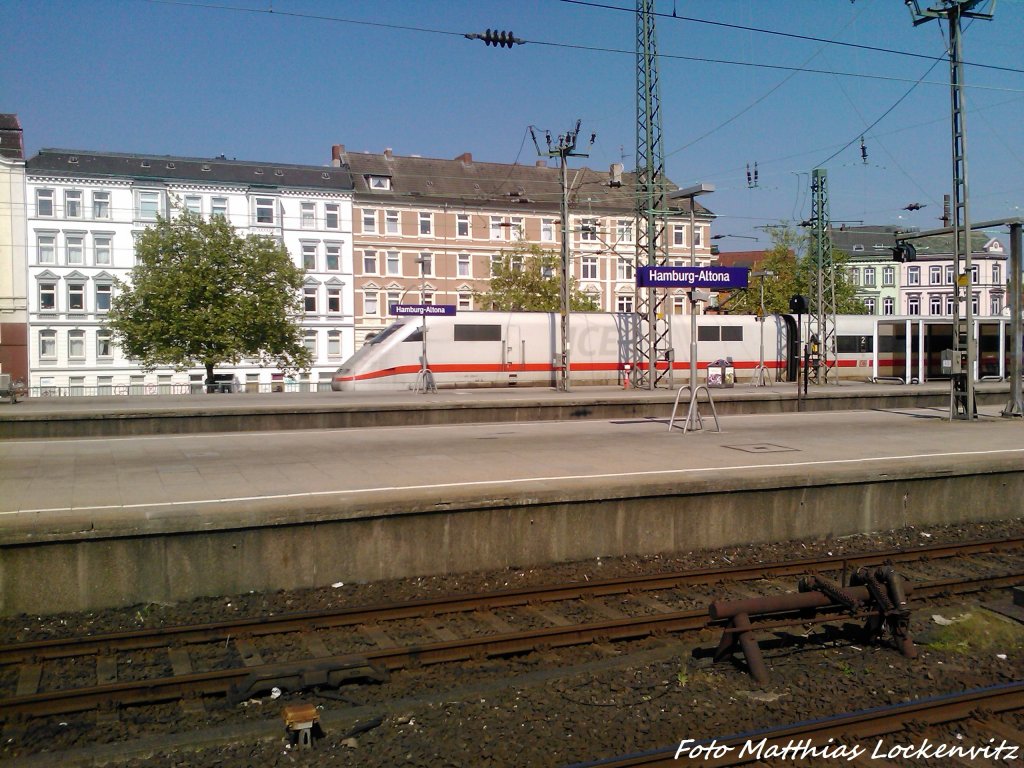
{"points": [[528, 279], [200, 294], [794, 270]]}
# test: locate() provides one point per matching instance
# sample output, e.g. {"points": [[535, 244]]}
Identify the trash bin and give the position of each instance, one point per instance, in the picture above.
{"points": [[721, 374]]}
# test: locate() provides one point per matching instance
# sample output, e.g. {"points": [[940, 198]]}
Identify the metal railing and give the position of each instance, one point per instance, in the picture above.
{"points": [[196, 388]]}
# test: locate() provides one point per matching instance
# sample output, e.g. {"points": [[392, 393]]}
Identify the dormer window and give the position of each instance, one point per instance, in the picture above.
{"points": [[379, 182], [858, 248]]}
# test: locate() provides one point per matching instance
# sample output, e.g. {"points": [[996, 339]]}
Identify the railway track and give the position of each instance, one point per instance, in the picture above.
{"points": [[247, 658]]}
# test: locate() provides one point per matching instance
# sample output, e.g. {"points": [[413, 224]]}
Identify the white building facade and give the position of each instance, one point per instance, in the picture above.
{"points": [[84, 211], [13, 272]]}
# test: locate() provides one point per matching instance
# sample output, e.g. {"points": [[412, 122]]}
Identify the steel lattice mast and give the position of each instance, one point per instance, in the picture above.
{"points": [[823, 278], [653, 340]]}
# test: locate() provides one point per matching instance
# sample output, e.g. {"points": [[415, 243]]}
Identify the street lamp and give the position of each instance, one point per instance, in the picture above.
{"points": [[689, 193], [761, 374]]}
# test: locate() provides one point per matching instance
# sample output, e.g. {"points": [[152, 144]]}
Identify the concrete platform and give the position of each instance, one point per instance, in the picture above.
{"points": [[93, 522], [179, 414]]}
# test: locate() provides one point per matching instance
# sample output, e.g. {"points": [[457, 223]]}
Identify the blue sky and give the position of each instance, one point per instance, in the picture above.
{"points": [[229, 77]]}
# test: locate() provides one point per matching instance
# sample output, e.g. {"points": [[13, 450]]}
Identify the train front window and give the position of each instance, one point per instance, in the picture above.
{"points": [[384, 334]]}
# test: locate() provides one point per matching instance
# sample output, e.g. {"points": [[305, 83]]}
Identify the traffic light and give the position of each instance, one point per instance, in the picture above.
{"points": [[904, 252]]}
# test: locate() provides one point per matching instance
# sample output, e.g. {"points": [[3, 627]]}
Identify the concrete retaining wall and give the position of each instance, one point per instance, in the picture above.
{"points": [[185, 555]]}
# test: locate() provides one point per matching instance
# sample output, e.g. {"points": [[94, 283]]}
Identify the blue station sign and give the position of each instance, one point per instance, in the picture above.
{"points": [[426, 310], [719, 278]]}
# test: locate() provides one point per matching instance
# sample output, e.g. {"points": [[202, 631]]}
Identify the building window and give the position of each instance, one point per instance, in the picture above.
{"points": [[426, 223], [913, 275], [624, 231], [334, 301], [47, 297], [950, 275], [888, 306], [332, 216], [465, 301], [73, 203], [678, 234], [588, 230], [333, 252], [101, 250], [148, 205], [394, 263], [624, 302], [392, 223], [935, 304], [854, 275], [369, 221], [518, 227], [462, 225], [869, 278], [382, 183], [219, 207], [103, 292], [308, 215], [974, 274], [547, 230], [46, 249], [888, 276], [935, 275], [624, 269], [309, 342], [588, 267], [76, 345], [370, 262], [914, 305], [975, 304], [427, 297], [309, 299], [264, 210], [949, 305], [495, 263], [75, 249], [465, 265], [869, 305], [76, 297], [995, 305], [426, 262], [334, 344], [104, 385], [679, 305], [393, 298], [497, 228], [44, 202], [194, 204], [48, 345], [370, 304], [101, 205], [309, 257]]}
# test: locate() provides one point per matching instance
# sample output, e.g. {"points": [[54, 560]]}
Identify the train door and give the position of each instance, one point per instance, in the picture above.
{"points": [[990, 345], [788, 349], [513, 361], [898, 352], [938, 338]]}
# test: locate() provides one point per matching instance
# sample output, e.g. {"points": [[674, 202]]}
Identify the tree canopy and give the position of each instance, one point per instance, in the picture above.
{"points": [[201, 294], [528, 279], [794, 270]]}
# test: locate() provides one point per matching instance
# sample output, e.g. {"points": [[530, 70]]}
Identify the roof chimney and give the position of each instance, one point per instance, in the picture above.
{"points": [[336, 152], [387, 153], [542, 163], [466, 158]]}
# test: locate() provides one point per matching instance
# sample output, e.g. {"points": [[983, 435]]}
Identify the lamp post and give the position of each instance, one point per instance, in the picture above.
{"points": [[689, 193], [760, 375]]}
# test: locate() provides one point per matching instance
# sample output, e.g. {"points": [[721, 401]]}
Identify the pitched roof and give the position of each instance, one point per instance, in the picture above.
{"points": [[466, 180], [877, 239], [168, 168]]}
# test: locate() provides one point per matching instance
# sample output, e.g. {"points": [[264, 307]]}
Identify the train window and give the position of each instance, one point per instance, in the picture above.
{"points": [[709, 333], [477, 333], [854, 344], [384, 334], [416, 335], [732, 333]]}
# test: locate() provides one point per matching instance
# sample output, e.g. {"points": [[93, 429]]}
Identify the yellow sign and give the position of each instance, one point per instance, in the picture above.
{"points": [[961, 280]]}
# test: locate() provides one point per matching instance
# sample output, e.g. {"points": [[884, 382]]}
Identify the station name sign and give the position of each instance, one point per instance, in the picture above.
{"points": [[721, 278], [426, 310]]}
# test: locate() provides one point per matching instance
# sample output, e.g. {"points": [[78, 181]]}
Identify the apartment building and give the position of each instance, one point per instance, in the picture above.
{"points": [[13, 271], [926, 286], [84, 210], [428, 230]]}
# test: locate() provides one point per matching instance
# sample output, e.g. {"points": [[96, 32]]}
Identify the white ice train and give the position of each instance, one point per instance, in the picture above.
{"points": [[496, 349]]}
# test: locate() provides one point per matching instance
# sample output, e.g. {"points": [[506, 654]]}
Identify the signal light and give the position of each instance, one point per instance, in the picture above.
{"points": [[904, 252]]}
